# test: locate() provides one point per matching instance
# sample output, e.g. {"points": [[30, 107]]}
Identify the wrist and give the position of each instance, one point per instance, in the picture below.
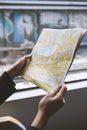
{"points": [[11, 74], [40, 121]]}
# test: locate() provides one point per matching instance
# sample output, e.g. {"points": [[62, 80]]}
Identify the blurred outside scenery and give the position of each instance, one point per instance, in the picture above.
{"points": [[20, 28]]}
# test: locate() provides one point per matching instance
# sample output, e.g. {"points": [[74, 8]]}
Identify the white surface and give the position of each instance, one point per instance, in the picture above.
{"points": [[24, 85], [76, 76], [39, 92]]}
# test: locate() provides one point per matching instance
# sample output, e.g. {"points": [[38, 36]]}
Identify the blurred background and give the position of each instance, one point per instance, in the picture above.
{"points": [[22, 21]]}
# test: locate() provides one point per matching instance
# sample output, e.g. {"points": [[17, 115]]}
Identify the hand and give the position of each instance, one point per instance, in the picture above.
{"points": [[48, 106], [18, 67]]}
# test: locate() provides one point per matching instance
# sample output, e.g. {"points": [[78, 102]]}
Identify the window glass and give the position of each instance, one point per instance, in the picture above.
{"points": [[20, 29]]}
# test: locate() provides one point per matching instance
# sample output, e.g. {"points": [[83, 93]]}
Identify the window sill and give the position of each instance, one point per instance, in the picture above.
{"points": [[28, 93]]}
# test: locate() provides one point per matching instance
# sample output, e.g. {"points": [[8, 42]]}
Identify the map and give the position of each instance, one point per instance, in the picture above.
{"points": [[52, 57]]}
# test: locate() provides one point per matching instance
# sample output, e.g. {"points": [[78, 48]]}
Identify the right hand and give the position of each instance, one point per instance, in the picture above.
{"points": [[48, 106], [52, 102]]}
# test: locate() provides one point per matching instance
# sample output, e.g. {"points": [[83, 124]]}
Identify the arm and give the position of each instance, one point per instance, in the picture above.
{"points": [[48, 106], [7, 86]]}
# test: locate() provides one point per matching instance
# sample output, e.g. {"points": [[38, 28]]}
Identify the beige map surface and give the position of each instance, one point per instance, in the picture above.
{"points": [[52, 56]]}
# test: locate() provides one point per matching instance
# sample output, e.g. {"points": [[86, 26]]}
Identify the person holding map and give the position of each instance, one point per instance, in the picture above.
{"points": [[48, 105]]}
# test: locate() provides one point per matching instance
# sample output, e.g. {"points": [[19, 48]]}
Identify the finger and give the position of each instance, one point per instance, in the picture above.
{"points": [[60, 94], [56, 91], [63, 90], [25, 59], [27, 56], [64, 101]]}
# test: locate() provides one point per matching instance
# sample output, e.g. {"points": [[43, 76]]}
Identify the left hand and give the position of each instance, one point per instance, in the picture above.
{"points": [[18, 67]]}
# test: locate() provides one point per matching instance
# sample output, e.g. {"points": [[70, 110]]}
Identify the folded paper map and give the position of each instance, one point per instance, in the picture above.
{"points": [[52, 57]]}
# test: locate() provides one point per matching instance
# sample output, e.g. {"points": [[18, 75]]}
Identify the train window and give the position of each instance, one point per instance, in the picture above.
{"points": [[20, 29]]}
